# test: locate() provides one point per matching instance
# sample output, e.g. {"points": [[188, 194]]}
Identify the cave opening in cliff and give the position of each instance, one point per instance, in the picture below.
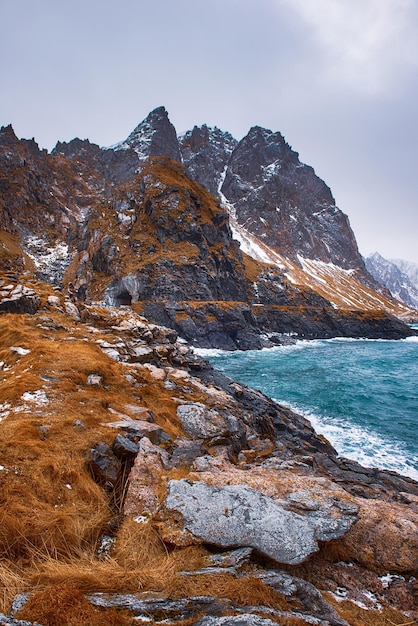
{"points": [[123, 298]]}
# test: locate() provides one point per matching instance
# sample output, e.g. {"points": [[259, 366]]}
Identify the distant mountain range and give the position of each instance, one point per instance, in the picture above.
{"points": [[400, 277], [234, 244]]}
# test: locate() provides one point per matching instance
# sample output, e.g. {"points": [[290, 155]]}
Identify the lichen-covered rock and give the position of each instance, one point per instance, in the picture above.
{"points": [[233, 516], [201, 422], [385, 537]]}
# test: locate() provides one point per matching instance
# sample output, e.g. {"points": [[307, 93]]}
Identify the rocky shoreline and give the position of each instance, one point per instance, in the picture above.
{"points": [[217, 506]]}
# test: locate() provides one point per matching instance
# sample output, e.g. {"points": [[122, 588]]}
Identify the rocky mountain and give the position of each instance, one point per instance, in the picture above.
{"points": [[155, 136], [132, 224], [408, 268], [391, 275], [276, 197], [140, 485]]}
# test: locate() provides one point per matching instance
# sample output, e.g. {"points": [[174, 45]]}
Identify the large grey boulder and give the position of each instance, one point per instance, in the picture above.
{"points": [[236, 515]]}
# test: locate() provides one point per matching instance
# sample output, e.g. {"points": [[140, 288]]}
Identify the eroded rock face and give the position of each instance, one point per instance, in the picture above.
{"points": [[142, 494], [239, 516], [16, 298], [206, 152]]}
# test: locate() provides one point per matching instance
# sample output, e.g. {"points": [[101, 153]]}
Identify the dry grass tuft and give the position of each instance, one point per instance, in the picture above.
{"points": [[243, 591], [357, 616], [64, 604], [11, 583], [138, 546]]}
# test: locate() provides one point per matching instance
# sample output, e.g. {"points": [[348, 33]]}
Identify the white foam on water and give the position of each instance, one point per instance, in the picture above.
{"points": [[359, 444]]}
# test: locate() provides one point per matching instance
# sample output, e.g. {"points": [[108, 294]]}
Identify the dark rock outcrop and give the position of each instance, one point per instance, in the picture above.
{"points": [[206, 153]]}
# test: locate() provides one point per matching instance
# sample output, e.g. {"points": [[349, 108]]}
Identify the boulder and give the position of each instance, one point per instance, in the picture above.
{"points": [[16, 298], [200, 422], [238, 516]]}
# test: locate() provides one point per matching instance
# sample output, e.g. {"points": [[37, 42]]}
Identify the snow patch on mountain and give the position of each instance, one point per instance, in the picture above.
{"points": [[391, 275], [408, 268], [50, 261], [339, 286], [140, 140]]}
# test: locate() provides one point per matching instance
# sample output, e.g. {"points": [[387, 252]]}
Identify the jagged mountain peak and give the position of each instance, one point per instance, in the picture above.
{"points": [[7, 132], [154, 136], [205, 152], [8, 137], [202, 135]]}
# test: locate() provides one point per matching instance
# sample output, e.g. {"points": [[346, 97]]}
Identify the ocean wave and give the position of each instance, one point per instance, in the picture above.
{"points": [[206, 353], [359, 444], [413, 339]]}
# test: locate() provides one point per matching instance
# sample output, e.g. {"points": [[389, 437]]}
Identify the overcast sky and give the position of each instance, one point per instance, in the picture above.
{"points": [[339, 79]]}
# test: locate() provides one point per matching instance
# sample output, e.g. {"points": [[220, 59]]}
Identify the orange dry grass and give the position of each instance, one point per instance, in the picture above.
{"points": [[52, 513], [139, 561], [11, 583], [356, 616], [65, 604], [243, 591]]}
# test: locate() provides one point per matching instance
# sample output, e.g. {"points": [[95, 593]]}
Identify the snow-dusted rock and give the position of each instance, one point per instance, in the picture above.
{"points": [[17, 298]]}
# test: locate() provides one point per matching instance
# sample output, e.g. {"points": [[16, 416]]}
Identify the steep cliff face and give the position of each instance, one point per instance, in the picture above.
{"points": [[43, 200], [278, 198], [161, 237], [206, 153], [281, 200]]}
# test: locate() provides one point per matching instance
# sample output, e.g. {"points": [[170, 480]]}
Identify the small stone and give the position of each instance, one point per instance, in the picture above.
{"points": [[54, 301], [43, 432], [124, 448], [94, 379]]}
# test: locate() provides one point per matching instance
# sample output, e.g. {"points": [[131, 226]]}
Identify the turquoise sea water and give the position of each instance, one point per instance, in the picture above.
{"points": [[361, 394]]}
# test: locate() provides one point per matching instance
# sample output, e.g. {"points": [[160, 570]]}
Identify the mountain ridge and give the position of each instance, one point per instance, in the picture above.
{"points": [[393, 274], [103, 220]]}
